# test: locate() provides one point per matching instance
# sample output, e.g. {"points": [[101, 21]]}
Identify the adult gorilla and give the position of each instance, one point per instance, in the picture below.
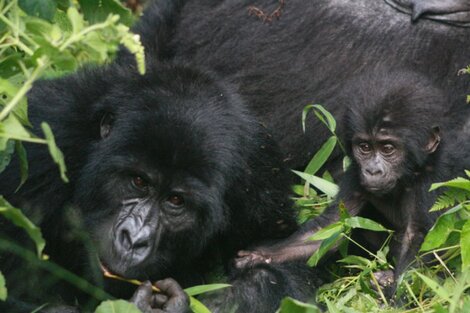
{"points": [[312, 49], [171, 174]]}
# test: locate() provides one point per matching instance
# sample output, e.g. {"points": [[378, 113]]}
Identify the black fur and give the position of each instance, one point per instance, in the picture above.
{"points": [[178, 125], [309, 53], [408, 107]]}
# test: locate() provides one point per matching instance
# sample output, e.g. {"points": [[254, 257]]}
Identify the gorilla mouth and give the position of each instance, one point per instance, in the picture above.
{"points": [[104, 268]]}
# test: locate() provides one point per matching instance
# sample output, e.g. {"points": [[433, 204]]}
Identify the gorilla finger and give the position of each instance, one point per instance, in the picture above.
{"points": [[143, 296], [170, 287], [159, 300]]}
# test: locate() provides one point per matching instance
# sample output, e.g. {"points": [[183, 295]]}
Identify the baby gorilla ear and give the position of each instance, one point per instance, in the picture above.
{"points": [[106, 124], [434, 140]]}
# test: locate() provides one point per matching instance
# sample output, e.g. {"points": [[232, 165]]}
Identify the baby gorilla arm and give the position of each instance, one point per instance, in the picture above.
{"points": [[298, 247]]}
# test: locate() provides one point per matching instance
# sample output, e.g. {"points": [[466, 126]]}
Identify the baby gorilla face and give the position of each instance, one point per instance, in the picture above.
{"points": [[381, 159]]}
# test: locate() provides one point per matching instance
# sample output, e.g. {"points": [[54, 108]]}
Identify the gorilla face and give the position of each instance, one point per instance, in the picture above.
{"points": [[157, 176]]}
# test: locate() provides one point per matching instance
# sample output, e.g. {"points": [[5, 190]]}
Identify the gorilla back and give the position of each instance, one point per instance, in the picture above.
{"points": [[312, 49], [170, 172]]}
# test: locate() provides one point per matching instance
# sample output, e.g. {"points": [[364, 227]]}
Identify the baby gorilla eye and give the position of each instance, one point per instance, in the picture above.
{"points": [[365, 147], [388, 149], [176, 200], [139, 182]]}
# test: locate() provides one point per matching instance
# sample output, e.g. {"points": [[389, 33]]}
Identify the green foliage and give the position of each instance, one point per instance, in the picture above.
{"points": [[56, 154], [49, 38], [19, 219], [289, 305], [117, 306], [3, 288]]}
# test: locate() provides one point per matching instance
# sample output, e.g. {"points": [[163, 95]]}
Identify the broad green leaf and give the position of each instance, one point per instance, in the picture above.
{"points": [[458, 182], [322, 155], [197, 290], [197, 306], [364, 223], [23, 162], [117, 306], [76, 20], [5, 155], [21, 109], [44, 9], [98, 11], [19, 219], [327, 231], [331, 307], [3, 288], [325, 186], [439, 233], [465, 245], [325, 246], [289, 305], [435, 286], [56, 154], [12, 128]]}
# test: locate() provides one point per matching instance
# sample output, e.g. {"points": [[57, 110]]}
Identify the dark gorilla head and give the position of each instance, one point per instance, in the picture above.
{"points": [[154, 189], [392, 127]]}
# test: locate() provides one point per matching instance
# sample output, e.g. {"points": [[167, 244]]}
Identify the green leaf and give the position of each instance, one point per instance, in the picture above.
{"points": [[23, 162], [56, 154], [327, 232], [435, 286], [458, 182], [465, 245], [5, 155], [3, 288], [21, 109], [325, 186], [44, 9], [197, 290], [439, 233], [19, 219], [197, 306], [356, 260], [98, 11], [322, 114], [322, 155], [117, 306], [76, 20], [325, 246], [331, 307], [12, 128], [364, 223], [289, 305]]}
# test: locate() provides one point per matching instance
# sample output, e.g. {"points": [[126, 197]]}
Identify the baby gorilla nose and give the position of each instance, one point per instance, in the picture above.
{"points": [[374, 171]]}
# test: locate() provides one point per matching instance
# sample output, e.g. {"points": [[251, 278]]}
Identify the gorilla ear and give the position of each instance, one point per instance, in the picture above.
{"points": [[434, 140], [106, 124]]}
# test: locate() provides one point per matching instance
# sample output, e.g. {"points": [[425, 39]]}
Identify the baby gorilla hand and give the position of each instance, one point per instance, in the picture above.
{"points": [[172, 298]]}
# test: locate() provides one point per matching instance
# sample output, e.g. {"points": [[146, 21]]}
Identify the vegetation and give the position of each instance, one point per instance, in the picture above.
{"points": [[57, 36]]}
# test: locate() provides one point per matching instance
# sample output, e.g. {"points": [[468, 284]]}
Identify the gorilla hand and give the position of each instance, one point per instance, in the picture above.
{"points": [[172, 298]]}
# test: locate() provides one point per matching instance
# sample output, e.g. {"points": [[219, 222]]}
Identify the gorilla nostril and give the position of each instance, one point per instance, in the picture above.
{"points": [[373, 172], [125, 239], [140, 244]]}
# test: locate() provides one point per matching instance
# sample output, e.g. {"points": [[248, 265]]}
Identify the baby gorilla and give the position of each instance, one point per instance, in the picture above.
{"points": [[393, 135]]}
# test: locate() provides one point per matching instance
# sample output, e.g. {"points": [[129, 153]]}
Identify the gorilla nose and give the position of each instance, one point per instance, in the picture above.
{"points": [[373, 171], [134, 241]]}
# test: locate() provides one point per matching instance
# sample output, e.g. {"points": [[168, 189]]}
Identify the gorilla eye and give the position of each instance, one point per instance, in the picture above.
{"points": [[139, 182], [176, 200], [365, 147], [388, 149]]}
